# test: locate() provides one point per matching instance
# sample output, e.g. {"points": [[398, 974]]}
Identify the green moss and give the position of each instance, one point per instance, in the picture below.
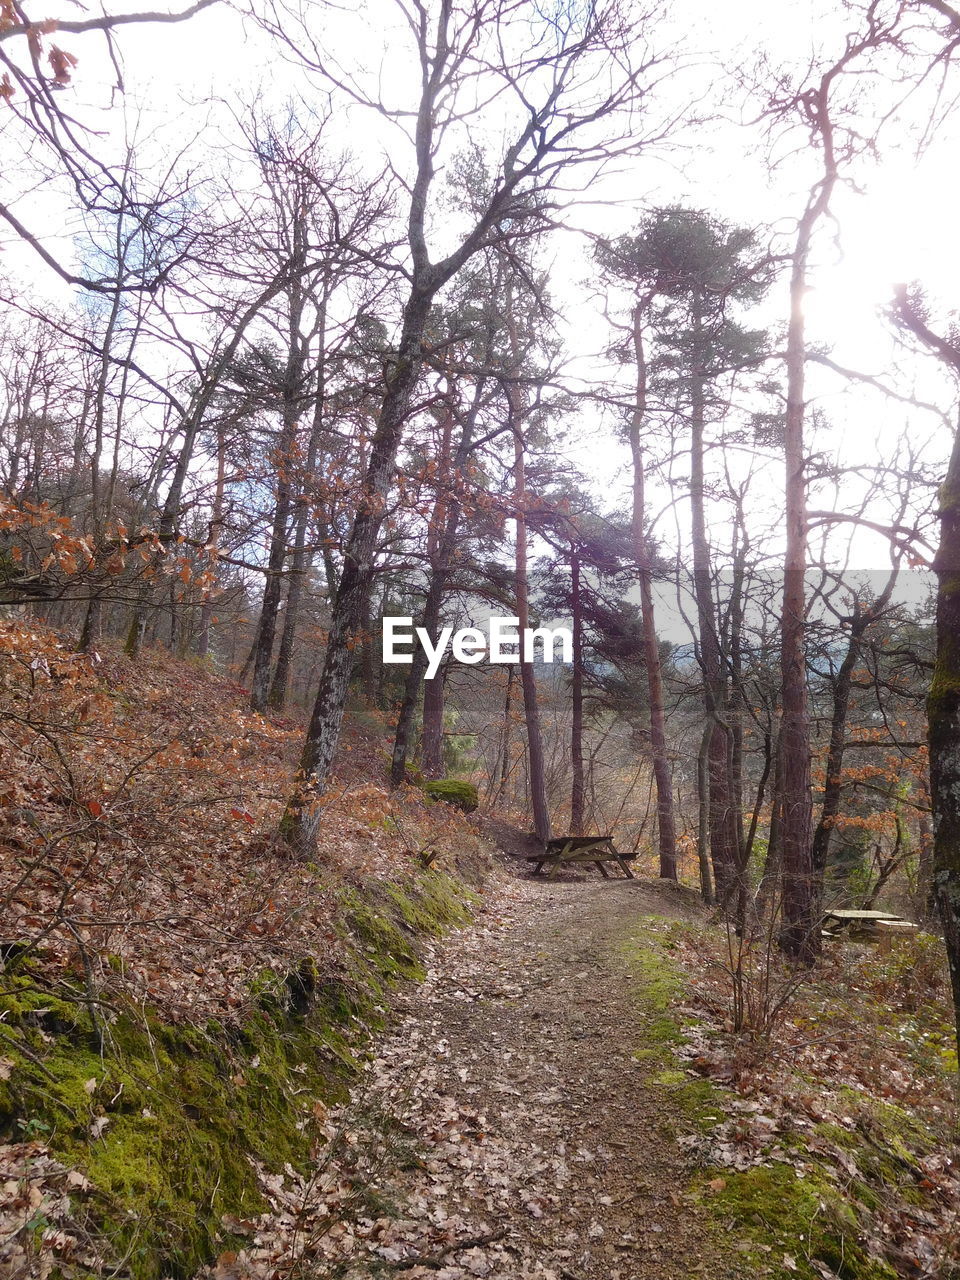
{"points": [[386, 920], [453, 791], [432, 903], [887, 1142], [837, 1135], [658, 984], [164, 1123], [801, 1217], [668, 1078]]}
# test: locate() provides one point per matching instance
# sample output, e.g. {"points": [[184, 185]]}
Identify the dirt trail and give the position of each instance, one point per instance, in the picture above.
{"points": [[527, 1125]]}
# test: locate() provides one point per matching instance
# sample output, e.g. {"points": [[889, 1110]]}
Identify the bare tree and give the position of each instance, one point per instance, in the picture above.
{"points": [[31, 92], [565, 114], [833, 134]]}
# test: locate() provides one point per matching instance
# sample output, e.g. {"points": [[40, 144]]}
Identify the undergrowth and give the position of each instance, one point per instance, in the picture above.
{"points": [[810, 1175]]}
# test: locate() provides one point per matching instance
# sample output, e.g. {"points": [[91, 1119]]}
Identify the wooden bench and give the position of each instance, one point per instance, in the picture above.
{"points": [[569, 849]]}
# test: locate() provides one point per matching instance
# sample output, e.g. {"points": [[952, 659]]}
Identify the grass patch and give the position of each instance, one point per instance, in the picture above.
{"points": [[658, 985]]}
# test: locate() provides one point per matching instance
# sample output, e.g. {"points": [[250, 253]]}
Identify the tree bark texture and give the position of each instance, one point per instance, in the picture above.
{"points": [[666, 826]]}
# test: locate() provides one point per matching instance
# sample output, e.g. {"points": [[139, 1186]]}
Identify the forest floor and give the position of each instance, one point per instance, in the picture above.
{"points": [[569, 1094], [562, 1099], [509, 1125]]}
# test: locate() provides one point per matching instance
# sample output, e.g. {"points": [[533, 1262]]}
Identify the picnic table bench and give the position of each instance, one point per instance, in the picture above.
{"points": [[839, 918], [567, 849]]}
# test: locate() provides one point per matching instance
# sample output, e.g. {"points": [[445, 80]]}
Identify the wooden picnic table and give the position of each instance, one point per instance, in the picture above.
{"points": [[569, 849], [838, 918]]}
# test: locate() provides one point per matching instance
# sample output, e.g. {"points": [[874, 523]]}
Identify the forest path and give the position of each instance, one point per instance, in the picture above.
{"points": [[524, 1122]]}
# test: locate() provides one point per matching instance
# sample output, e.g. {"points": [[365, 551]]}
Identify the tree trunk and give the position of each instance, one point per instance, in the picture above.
{"points": [[442, 551], [703, 814], [285, 457], [536, 771], [925, 896], [301, 819], [863, 616], [505, 755], [300, 559], [721, 809], [403, 738], [943, 717], [666, 827], [800, 934], [528, 678], [135, 632], [90, 632], [441, 543], [943, 701], [273, 586], [770, 877], [434, 703], [213, 541], [735, 708], [299, 568], [576, 730]]}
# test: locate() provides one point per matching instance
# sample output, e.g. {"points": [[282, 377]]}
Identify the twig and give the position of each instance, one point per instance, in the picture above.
{"points": [[435, 1260], [21, 1048]]}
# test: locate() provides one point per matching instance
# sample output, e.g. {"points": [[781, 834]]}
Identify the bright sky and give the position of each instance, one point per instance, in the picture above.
{"points": [[900, 226]]}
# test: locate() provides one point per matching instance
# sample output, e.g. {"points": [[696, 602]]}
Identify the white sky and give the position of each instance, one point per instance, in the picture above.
{"points": [[902, 225]]}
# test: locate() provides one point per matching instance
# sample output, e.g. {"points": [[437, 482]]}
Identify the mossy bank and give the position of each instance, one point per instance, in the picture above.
{"points": [[166, 1122], [812, 1203]]}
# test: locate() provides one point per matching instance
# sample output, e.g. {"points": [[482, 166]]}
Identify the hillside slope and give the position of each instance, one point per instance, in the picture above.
{"points": [[178, 998]]}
